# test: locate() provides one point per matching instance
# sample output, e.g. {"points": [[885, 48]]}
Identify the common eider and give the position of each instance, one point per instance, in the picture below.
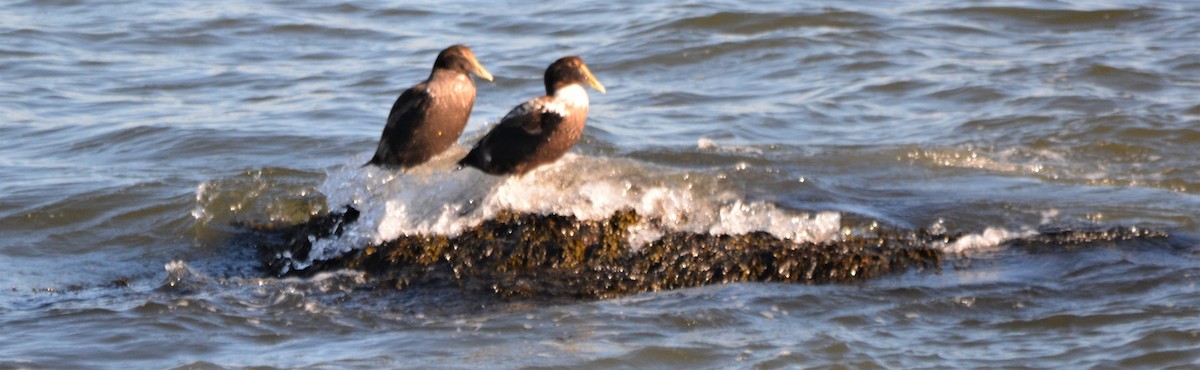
{"points": [[428, 118], [541, 130]]}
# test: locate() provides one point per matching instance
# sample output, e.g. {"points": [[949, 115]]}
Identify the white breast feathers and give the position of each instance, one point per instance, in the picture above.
{"points": [[572, 95]]}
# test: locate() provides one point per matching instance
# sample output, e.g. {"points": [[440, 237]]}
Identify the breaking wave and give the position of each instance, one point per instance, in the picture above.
{"points": [[436, 199]]}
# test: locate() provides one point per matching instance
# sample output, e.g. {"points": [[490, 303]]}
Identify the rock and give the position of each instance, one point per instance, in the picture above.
{"points": [[555, 256]]}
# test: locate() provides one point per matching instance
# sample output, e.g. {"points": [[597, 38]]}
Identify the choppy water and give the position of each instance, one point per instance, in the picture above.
{"points": [[135, 132]]}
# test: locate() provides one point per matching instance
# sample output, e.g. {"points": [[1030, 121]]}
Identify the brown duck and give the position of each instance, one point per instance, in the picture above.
{"points": [[541, 130], [428, 118]]}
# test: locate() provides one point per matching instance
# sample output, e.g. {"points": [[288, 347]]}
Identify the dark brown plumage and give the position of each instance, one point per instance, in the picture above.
{"points": [[428, 118], [542, 129]]}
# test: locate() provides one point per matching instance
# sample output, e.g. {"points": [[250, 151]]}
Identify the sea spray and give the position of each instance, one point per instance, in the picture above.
{"points": [[445, 201]]}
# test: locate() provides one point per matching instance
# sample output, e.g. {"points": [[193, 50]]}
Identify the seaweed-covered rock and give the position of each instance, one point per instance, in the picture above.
{"points": [[549, 256]]}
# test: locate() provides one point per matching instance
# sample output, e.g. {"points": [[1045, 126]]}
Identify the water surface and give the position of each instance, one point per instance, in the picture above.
{"points": [[137, 132]]}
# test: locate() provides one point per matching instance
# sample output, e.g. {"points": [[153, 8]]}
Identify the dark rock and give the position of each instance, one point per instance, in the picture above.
{"points": [[554, 256]]}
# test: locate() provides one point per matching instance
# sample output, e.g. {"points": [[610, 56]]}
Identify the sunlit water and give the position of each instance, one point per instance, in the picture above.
{"points": [[135, 134]]}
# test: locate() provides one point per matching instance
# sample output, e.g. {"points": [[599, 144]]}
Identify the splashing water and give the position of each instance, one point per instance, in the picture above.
{"points": [[435, 199]]}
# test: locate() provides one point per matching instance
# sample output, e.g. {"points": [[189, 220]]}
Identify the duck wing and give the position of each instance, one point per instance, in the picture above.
{"points": [[512, 145], [405, 117]]}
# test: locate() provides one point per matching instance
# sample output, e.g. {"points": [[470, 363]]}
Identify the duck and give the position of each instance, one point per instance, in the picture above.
{"points": [[428, 117], [540, 130]]}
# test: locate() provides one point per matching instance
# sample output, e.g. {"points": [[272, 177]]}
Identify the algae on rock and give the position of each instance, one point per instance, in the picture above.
{"points": [[556, 256]]}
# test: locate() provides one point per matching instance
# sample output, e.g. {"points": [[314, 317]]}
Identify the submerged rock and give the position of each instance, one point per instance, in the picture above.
{"points": [[561, 257], [555, 256]]}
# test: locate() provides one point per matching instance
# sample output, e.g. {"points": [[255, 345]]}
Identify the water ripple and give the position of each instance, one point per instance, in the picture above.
{"points": [[136, 132], [1061, 20]]}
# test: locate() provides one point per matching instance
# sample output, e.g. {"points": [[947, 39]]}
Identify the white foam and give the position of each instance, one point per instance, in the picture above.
{"points": [[180, 275], [708, 144], [989, 238], [435, 199], [198, 212]]}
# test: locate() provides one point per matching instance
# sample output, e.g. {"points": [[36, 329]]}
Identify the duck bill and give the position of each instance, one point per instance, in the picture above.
{"points": [[592, 81], [479, 71]]}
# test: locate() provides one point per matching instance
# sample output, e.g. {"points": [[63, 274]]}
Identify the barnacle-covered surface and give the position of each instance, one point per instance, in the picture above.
{"points": [[533, 255], [554, 256]]}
